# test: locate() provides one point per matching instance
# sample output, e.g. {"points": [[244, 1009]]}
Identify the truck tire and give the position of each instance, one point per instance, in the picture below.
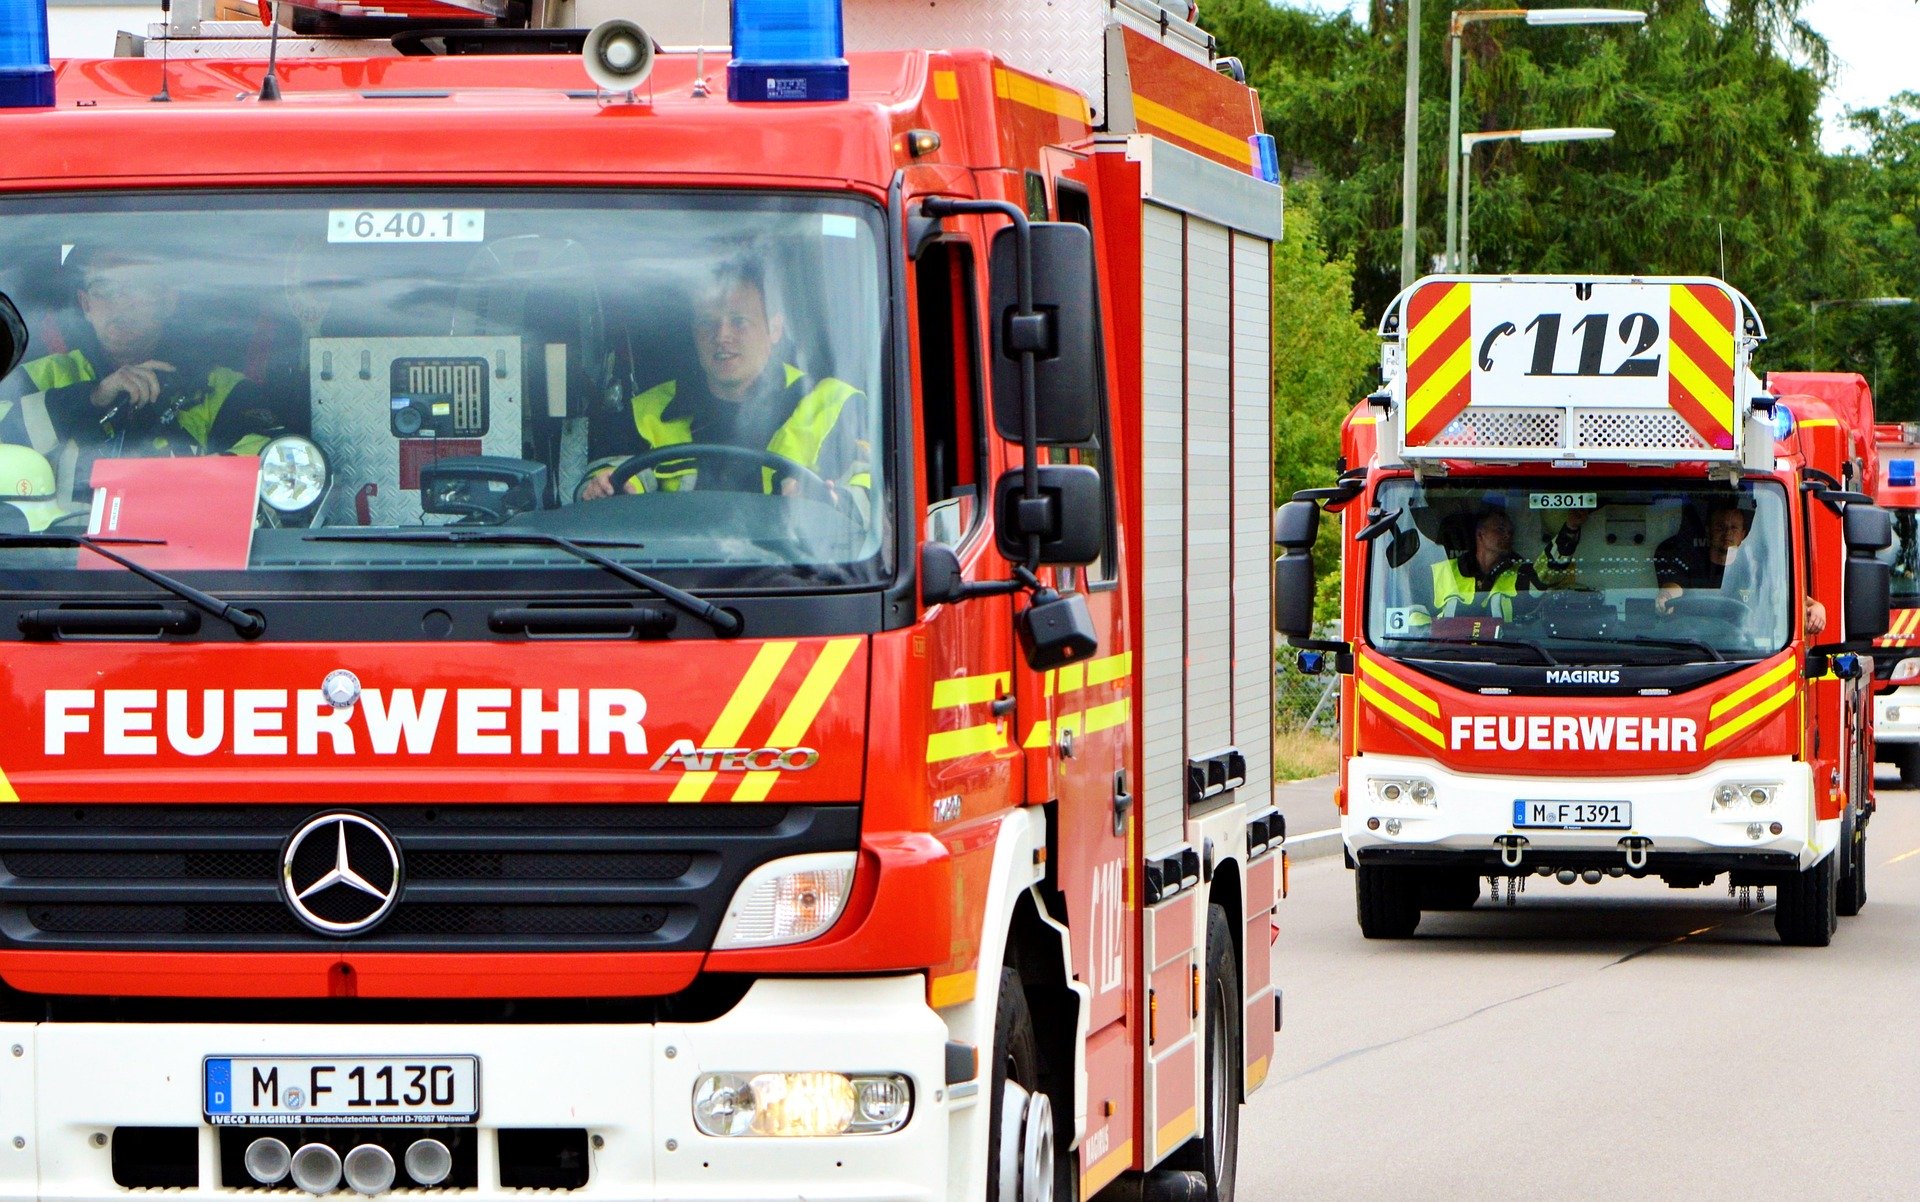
{"points": [[1025, 1159], [1852, 888], [1387, 897], [1215, 1154], [1449, 889], [1807, 912]]}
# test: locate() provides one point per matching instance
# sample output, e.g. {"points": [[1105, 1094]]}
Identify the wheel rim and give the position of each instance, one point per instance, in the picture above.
{"points": [[1036, 1151], [1217, 1071], [1013, 1110]]}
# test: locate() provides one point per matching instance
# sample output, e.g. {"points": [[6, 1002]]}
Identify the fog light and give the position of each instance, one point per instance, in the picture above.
{"points": [[369, 1169], [1422, 792], [1745, 794], [800, 1105], [429, 1162], [316, 1168], [788, 901], [1755, 830], [267, 1160], [1393, 826]]}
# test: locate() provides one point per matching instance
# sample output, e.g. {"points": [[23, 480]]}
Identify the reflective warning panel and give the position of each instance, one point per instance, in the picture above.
{"points": [[1528, 368]]}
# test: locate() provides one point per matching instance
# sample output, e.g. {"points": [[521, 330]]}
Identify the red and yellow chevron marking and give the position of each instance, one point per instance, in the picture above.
{"points": [[1399, 701], [1751, 702], [1905, 629], [1439, 354], [1700, 361]]}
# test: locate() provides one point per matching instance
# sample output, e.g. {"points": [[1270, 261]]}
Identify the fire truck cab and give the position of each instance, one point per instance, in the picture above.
{"points": [[1606, 604], [655, 612]]}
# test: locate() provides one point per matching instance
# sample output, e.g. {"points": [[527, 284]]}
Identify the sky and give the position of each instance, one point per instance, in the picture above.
{"points": [[1876, 50]]}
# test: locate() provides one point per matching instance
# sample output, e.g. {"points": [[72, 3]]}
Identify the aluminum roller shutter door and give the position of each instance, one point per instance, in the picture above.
{"points": [[1209, 491], [1163, 567], [1253, 515]]}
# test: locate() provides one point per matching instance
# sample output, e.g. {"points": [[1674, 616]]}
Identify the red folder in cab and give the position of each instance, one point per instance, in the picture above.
{"points": [[201, 510]]}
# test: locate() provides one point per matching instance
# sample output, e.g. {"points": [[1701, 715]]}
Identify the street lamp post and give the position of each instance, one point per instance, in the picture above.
{"points": [[1410, 151], [1527, 137], [1455, 27], [1813, 317]]}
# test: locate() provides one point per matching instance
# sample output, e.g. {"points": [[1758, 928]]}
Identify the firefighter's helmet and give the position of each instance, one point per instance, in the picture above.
{"points": [[26, 484]]}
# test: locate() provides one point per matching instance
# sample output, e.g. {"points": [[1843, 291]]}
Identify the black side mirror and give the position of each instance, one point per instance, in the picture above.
{"points": [[1869, 528], [940, 578], [1869, 597], [1056, 630], [1296, 525], [1069, 515], [1061, 332], [13, 336]]}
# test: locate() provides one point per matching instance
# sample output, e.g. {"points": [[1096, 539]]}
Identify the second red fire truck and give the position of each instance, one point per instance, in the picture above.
{"points": [[1605, 606], [1896, 657]]}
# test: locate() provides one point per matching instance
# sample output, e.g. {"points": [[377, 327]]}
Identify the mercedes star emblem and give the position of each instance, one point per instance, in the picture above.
{"points": [[341, 873], [341, 688]]}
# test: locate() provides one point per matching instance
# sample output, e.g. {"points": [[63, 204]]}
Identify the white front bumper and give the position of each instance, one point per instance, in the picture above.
{"points": [[1896, 716], [629, 1085], [1675, 812]]}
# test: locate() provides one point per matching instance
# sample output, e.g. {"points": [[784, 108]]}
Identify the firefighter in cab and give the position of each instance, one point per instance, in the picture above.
{"points": [[130, 383], [1484, 579], [748, 422]]}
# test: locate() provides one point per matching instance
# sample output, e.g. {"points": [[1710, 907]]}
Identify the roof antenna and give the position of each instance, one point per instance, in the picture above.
{"points": [[166, 42], [700, 57], [270, 86]]}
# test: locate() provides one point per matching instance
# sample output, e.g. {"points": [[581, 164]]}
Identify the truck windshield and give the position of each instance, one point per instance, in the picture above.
{"points": [[1904, 555], [692, 382], [1592, 572]]}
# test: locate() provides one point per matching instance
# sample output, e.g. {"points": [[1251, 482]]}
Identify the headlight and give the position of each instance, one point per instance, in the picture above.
{"points": [[293, 474], [787, 901], [1401, 791], [801, 1105], [1907, 669], [1752, 795]]}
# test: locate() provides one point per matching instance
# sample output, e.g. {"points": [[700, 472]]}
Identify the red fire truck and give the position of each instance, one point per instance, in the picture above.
{"points": [[1896, 703], [1603, 603], [653, 613]]}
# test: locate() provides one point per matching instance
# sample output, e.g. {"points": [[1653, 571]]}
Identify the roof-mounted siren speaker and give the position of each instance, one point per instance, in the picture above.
{"points": [[619, 55]]}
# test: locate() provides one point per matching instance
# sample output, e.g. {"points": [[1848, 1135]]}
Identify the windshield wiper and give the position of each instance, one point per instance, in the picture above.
{"points": [[1546, 657], [722, 622], [246, 623], [1713, 653]]}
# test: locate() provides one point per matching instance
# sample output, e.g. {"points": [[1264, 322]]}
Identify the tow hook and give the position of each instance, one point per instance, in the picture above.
{"points": [[1636, 848], [1512, 847]]}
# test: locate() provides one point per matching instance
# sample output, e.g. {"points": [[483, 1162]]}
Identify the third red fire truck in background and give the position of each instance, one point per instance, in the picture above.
{"points": [[1604, 604], [1896, 660]]}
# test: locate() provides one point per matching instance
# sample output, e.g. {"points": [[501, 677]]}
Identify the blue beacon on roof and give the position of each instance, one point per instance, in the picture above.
{"points": [[26, 72], [1900, 473], [786, 50]]}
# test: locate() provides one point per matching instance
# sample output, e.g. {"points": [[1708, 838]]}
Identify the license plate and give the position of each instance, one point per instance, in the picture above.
{"points": [[245, 1091], [1574, 815]]}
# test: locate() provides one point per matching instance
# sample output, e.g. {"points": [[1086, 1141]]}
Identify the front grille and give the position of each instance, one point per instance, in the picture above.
{"points": [[482, 877]]}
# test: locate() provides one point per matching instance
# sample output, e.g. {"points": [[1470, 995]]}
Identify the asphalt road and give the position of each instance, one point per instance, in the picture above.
{"points": [[1620, 1039]]}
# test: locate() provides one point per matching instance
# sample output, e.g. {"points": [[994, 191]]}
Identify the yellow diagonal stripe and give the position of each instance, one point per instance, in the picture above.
{"points": [[1719, 405], [6, 788], [1759, 684], [1435, 387], [1438, 320], [1392, 709], [1110, 667], [1687, 308], [740, 708], [805, 707], [970, 690], [1040, 735], [943, 745], [1400, 686], [1722, 733], [1200, 134]]}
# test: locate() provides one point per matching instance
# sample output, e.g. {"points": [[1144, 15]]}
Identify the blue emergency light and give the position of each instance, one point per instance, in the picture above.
{"points": [[1266, 157], [26, 72], [784, 50], [1782, 421], [1900, 473]]}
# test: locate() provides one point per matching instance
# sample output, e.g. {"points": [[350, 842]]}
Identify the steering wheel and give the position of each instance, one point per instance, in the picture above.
{"points": [[781, 466], [1724, 609]]}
